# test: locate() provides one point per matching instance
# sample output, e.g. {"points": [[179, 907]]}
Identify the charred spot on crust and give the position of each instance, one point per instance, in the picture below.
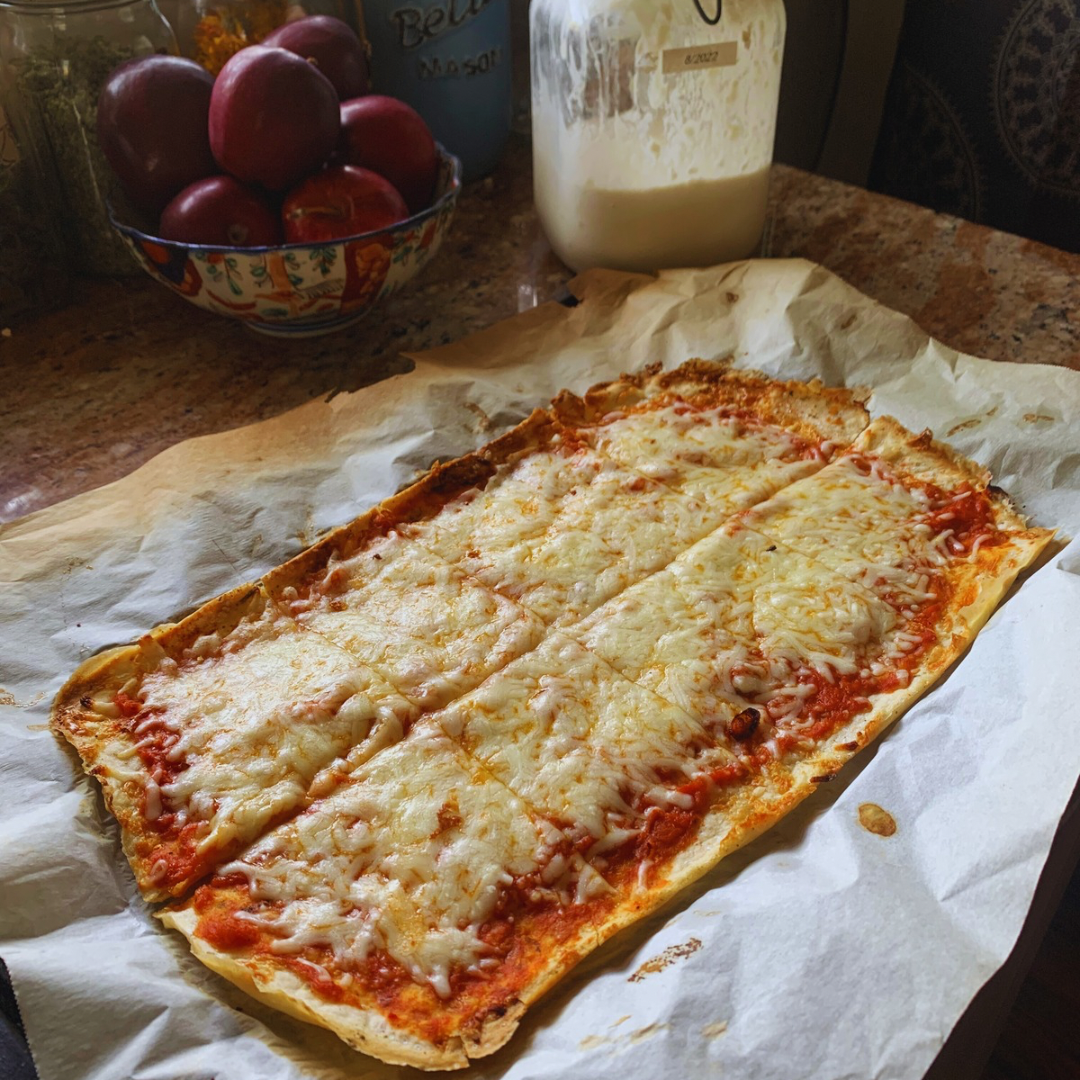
{"points": [[85, 702], [743, 725]]}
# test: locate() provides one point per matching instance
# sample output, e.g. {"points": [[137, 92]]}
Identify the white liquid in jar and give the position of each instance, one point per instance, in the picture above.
{"points": [[653, 129], [694, 224]]}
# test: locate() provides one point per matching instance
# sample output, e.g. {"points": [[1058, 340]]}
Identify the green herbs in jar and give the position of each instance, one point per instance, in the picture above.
{"points": [[58, 87]]}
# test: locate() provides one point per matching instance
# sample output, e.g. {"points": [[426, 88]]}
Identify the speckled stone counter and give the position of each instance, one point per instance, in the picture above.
{"points": [[91, 392]]}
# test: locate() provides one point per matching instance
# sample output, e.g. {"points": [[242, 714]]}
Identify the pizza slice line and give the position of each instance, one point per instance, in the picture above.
{"points": [[606, 521], [210, 730], [416, 910]]}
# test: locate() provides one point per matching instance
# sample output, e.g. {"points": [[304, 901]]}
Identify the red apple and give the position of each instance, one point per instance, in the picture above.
{"points": [[389, 137], [338, 202], [221, 212], [332, 46], [274, 118], [151, 124]]}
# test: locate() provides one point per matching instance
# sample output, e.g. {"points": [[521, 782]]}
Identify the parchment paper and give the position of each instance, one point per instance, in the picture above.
{"points": [[820, 951]]}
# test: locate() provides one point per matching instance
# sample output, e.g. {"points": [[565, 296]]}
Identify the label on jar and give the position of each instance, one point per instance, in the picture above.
{"points": [[697, 57]]}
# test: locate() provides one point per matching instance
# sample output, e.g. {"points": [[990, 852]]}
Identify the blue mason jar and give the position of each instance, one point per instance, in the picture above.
{"points": [[450, 60]]}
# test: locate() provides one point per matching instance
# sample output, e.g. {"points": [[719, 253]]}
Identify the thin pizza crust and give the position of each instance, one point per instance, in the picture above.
{"points": [[785, 784], [922, 457], [81, 714], [741, 814], [364, 1030], [368, 1030]]}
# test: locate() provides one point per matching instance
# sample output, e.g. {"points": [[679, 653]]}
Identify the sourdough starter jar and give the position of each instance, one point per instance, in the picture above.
{"points": [[653, 124]]}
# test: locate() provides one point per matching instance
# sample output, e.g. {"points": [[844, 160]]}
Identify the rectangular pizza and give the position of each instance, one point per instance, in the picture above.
{"points": [[402, 784]]}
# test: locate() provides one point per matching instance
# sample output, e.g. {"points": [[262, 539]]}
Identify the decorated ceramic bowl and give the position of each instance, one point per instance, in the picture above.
{"points": [[299, 290]]}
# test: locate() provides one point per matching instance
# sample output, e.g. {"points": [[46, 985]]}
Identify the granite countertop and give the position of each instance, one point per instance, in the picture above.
{"points": [[128, 369], [94, 390]]}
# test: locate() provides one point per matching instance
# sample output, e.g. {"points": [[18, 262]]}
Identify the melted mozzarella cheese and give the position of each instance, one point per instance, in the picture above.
{"points": [[409, 857], [250, 727], [561, 574], [431, 631], [706, 453], [518, 503], [735, 620], [679, 648], [576, 740], [863, 525]]}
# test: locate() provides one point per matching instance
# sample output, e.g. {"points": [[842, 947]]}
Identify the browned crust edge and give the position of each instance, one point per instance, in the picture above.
{"points": [[922, 457], [810, 409], [367, 1030], [420, 500], [106, 751]]}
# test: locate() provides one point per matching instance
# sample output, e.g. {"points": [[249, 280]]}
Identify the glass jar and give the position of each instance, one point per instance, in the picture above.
{"points": [[211, 31], [34, 274], [449, 60], [653, 124], [56, 58]]}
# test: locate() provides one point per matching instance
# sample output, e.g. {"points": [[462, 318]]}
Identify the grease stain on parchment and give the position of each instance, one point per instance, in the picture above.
{"points": [[873, 819], [715, 1030], [665, 959], [483, 421], [8, 698], [975, 421], [591, 1042]]}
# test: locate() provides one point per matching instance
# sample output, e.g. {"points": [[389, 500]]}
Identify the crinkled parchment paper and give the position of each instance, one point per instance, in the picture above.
{"points": [[820, 951]]}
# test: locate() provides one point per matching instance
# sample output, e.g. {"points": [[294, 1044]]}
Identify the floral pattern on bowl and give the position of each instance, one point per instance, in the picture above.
{"points": [[298, 290]]}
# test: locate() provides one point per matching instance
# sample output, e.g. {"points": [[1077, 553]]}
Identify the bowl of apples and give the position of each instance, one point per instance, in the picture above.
{"points": [[281, 194]]}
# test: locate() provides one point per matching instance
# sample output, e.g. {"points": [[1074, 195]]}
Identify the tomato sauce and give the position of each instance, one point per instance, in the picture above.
{"points": [[528, 921], [969, 518], [521, 936], [153, 742], [966, 512]]}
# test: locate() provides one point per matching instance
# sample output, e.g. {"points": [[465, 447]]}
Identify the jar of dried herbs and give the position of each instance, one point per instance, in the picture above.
{"points": [[55, 59], [34, 274]]}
